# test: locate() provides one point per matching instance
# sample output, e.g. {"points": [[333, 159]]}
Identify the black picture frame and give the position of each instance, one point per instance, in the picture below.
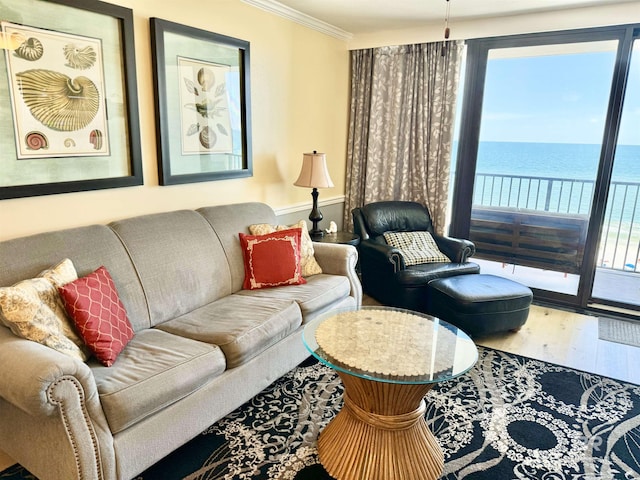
{"points": [[203, 107], [120, 164]]}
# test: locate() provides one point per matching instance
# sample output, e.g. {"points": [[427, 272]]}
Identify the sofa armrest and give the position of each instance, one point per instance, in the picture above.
{"points": [[30, 375], [51, 404], [457, 249], [338, 259]]}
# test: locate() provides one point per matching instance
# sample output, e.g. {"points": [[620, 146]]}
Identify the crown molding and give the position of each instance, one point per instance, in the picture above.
{"points": [[289, 13]]}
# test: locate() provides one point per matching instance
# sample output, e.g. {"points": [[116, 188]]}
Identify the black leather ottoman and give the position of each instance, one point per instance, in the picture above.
{"points": [[479, 304]]}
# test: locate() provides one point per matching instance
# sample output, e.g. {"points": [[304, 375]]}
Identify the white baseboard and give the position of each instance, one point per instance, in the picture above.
{"points": [[306, 206]]}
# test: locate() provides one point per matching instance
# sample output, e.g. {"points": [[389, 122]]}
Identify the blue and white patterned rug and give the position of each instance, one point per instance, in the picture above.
{"points": [[510, 417]]}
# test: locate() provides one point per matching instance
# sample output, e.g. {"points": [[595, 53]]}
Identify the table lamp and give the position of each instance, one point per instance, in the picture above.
{"points": [[314, 174]]}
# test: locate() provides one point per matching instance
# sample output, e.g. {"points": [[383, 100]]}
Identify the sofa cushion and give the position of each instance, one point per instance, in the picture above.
{"points": [[272, 260], [100, 318], [88, 248], [179, 260], [155, 370], [33, 309], [320, 292], [308, 262], [242, 326], [227, 221]]}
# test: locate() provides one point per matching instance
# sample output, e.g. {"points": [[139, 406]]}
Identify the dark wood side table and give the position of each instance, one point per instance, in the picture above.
{"points": [[346, 238]]}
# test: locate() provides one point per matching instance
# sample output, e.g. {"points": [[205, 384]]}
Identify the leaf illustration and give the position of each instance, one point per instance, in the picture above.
{"points": [[205, 108], [217, 112], [221, 129], [193, 129], [221, 89], [191, 86]]}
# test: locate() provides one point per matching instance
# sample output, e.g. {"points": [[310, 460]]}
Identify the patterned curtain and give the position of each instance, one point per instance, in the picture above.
{"points": [[401, 126]]}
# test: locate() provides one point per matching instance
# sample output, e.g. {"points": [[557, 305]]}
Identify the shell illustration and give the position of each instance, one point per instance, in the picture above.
{"points": [[95, 138], [36, 141], [80, 58], [57, 101], [206, 78], [31, 49], [11, 41], [208, 137], [69, 142]]}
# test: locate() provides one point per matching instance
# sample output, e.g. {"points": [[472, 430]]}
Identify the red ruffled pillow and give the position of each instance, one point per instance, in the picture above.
{"points": [[272, 260], [100, 318]]}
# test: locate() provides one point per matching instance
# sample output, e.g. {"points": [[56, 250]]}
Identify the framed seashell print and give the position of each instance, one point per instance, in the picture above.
{"points": [[70, 88], [203, 115]]}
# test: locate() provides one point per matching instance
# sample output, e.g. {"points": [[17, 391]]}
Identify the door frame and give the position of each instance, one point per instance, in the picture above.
{"points": [[469, 138]]}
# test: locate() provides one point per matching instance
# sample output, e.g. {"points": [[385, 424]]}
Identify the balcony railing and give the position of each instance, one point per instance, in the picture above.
{"points": [[620, 239]]}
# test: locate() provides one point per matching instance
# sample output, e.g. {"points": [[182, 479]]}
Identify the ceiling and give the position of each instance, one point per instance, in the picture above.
{"points": [[367, 16]]}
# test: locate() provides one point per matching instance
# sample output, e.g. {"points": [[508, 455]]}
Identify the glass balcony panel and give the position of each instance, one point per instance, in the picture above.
{"points": [[543, 115], [617, 277]]}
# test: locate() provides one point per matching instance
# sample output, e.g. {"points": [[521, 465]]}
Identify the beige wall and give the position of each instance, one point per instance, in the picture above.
{"points": [[299, 90]]}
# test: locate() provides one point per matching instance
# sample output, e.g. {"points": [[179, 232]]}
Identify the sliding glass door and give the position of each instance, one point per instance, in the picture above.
{"points": [[539, 115]]}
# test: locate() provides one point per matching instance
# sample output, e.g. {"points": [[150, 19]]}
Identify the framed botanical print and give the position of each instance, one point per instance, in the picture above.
{"points": [[202, 104]]}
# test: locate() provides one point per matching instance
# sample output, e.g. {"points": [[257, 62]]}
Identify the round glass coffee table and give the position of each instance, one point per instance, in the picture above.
{"points": [[388, 359]]}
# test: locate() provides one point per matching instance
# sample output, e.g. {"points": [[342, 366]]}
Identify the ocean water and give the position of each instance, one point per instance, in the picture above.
{"points": [[542, 166], [578, 164], [562, 160]]}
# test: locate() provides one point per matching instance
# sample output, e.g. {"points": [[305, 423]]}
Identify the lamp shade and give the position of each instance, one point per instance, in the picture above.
{"points": [[314, 173]]}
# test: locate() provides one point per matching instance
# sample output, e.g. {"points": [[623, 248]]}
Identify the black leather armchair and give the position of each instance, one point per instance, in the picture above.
{"points": [[384, 274]]}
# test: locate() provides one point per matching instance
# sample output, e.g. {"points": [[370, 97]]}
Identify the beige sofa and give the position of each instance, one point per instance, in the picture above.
{"points": [[202, 344]]}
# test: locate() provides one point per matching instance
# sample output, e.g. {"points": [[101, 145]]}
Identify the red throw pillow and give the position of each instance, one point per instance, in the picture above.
{"points": [[93, 304], [273, 259]]}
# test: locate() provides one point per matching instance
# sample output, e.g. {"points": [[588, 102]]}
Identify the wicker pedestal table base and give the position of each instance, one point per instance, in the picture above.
{"points": [[380, 434]]}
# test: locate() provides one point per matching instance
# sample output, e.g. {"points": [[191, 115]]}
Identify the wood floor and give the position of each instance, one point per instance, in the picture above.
{"points": [[556, 336], [5, 461], [571, 340]]}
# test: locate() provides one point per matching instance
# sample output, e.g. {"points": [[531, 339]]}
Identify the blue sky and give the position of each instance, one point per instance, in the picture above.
{"points": [[556, 99]]}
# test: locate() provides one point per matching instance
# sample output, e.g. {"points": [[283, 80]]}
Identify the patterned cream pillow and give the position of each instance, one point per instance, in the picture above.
{"points": [[33, 309], [416, 247], [307, 259]]}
